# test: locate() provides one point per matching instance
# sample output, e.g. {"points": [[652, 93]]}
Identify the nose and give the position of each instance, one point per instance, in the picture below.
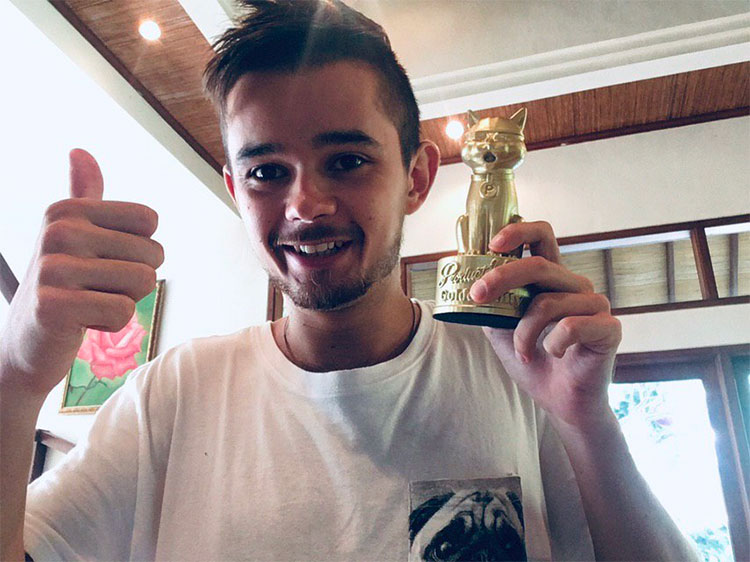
{"points": [[308, 199]]}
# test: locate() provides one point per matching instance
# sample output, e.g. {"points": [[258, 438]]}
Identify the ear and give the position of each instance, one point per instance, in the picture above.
{"points": [[229, 183], [422, 171], [519, 118], [473, 117]]}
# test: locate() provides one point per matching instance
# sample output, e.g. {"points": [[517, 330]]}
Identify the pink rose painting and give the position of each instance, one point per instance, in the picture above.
{"points": [[105, 359], [113, 354]]}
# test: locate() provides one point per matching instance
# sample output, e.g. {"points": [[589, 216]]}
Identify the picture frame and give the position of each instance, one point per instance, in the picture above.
{"points": [[105, 360]]}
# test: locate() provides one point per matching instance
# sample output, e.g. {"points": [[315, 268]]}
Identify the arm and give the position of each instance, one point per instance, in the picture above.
{"points": [[562, 354], [94, 259]]}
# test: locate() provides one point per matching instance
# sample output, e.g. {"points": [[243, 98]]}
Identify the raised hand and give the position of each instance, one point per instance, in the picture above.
{"points": [[93, 260], [562, 351]]}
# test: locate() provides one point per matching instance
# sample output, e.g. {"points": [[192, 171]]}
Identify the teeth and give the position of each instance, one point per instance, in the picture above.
{"points": [[323, 248]]}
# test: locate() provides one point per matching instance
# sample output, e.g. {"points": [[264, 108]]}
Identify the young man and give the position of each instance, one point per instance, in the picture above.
{"points": [[327, 435]]}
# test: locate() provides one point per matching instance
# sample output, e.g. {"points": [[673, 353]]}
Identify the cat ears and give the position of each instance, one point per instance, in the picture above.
{"points": [[519, 118]]}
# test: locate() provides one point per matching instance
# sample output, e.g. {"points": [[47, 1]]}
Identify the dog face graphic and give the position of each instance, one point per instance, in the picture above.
{"points": [[479, 525]]}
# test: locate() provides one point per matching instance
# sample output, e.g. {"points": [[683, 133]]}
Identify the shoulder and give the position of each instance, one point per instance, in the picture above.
{"points": [[187, 366]]}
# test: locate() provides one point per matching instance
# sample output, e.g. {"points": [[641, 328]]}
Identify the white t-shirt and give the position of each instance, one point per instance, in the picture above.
{"points": [[221, 449]]}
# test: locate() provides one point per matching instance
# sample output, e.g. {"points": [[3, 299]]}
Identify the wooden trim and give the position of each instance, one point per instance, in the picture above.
{"points": [[722, 413], [744, 299], [53, 441], [669, 257], [734, 264], [675, 356], [702, 255], [630, 130], [69, 14], [43, 441], [609, 272], [270, 302], [610, 235], [8, 280], [275, 303], [648, 230]]}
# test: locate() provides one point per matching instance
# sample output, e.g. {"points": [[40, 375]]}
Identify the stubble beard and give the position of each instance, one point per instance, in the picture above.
{"points": [[321, 293]]}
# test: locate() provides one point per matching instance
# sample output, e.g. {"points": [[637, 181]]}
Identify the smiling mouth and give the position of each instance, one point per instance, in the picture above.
{"points": [[316, 250]]}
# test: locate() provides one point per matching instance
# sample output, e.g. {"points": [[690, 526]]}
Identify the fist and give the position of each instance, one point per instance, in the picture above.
{"points": [[94, 259]]}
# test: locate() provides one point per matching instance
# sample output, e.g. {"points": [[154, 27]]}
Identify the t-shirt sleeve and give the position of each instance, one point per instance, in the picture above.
{"points": [[569, 534], [84, 507]]}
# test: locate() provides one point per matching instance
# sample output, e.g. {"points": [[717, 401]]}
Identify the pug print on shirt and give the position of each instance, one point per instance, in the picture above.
{"points": [[481, 519]]}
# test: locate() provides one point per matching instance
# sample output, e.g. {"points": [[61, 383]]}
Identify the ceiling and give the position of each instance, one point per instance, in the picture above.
{"points": [[585, 69]]}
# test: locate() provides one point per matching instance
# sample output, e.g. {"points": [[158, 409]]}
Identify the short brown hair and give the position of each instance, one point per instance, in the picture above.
{"points": [[288, 35]]}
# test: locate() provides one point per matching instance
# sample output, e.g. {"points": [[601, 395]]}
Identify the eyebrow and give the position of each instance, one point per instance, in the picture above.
{"points": [[254, 150], [351, 136], [329, 138]]}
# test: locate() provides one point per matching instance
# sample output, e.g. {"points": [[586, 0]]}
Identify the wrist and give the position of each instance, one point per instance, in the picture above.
{"points": [[595, 427]]}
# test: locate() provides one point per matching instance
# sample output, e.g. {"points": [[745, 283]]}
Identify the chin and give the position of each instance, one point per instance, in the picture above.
{"points": [[322, 296]]}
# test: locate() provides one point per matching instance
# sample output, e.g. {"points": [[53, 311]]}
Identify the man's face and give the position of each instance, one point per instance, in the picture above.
{"points": [[318, 178]]}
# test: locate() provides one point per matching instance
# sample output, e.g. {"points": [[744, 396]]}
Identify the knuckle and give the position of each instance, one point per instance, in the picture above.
{"points": [[569, 326], [149, 218], [546, 304], [51, 269], [587, 284], [144, 280], [58, 210], [57, 236], [48, 308], [602, 301], [539, 263], [123, 309]]}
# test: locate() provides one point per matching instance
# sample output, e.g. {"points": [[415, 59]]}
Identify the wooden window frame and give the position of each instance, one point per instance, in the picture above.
{"points": [[704, 268], [713, 366]]}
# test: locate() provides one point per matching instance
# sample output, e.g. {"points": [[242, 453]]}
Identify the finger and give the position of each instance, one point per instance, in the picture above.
{"points": [[538, 235], [599, 333], [134, 280], [84, 240], [85, 176], [535, 270], [547, 308], [133, 218], [64, 310]]}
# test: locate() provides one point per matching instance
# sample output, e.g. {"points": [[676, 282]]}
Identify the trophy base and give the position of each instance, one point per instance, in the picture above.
{"points": [[456, 275]]}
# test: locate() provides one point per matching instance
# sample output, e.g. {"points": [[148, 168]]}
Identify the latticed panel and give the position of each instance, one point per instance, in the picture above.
{"points": [[423, 281], [590, 264]]}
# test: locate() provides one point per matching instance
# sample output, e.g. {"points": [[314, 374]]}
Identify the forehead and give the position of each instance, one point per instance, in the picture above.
{"points": [[289, 106]]}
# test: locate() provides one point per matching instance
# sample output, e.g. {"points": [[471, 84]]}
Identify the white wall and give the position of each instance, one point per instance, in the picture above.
{"points": [[675, 175], [212, 282]]}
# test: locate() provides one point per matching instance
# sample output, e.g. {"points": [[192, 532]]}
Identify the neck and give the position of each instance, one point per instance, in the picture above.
{"points": [[375, 328]]}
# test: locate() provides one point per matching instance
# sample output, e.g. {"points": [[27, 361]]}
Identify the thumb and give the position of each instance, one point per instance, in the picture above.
{"points": [[85, 176]]}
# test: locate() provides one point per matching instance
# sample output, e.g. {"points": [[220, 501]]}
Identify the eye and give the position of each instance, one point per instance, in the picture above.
{"points": [[346, 162], [267, 172]]}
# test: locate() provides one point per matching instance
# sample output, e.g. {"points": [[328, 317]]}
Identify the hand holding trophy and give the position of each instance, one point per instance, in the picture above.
{"points": [[493, 148]]}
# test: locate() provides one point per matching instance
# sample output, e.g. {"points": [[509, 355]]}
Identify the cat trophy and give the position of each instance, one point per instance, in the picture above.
{"points": [[493, 148]]}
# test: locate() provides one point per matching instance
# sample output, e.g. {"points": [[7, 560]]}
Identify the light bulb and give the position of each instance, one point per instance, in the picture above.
{"points": [[454, 129], [150, 30]]}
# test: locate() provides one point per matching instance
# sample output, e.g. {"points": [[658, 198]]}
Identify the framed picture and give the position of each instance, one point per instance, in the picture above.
{"points": [[105, 359]]}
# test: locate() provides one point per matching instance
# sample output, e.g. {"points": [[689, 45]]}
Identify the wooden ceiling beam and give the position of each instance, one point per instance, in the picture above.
{"points": [[702, 254], [734, 265], [669, 257]]}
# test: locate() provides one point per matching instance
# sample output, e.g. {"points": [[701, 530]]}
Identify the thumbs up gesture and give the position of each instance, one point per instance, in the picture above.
{"points": [[93, 260]]}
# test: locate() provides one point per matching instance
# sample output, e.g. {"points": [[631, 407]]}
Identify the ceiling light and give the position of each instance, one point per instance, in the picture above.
{"points": [[150, 30], [454, 129]]}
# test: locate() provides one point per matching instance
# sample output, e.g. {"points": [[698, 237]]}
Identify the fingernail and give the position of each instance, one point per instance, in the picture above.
{"points": [[478, 291]]}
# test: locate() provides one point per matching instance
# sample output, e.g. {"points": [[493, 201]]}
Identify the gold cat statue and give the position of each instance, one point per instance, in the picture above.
{"points": [[493, 148]]}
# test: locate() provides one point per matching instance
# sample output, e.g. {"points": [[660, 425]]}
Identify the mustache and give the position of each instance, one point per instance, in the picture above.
{"points": [[312, 233]]}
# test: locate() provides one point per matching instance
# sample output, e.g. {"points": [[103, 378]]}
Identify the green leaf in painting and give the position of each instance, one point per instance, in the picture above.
{"points": [[81, 374], [72, 396]]}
